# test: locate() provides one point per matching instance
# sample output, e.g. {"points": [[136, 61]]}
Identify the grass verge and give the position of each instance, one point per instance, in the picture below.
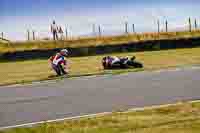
{"points": [[36, 70], [94, 41], [180, 118]]}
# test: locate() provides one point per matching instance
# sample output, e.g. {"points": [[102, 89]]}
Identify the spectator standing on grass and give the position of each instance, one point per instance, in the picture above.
{"points": [[60, 31], [54, 30]]}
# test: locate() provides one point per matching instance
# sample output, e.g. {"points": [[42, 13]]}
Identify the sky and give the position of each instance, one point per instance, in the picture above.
{"points": [[17, 16]]}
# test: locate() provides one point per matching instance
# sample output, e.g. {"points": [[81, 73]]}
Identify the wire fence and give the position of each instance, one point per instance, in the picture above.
{"points": [[96, 30]]}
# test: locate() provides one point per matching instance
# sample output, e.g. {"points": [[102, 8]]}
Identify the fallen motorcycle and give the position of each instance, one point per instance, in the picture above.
{"points": [[109, 62]]}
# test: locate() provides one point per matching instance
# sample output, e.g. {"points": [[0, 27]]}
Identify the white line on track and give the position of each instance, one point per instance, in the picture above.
{"points": [[92, 115]]}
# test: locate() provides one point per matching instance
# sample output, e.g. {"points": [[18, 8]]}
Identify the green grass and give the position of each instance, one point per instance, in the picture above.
{"points": [[180, 118], [34, 70], [94, 41]]}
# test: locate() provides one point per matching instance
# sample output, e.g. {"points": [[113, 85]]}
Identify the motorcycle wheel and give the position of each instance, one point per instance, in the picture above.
{"points": [[138, 64], [135, 64]]}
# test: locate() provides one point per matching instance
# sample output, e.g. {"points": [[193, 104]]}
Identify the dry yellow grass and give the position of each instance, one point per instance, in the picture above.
{"points": [[24, 71], [95, 41], [180, 118]]}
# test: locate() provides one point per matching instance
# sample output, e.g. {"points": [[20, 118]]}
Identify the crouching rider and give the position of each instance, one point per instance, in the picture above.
{"points": [[58, 62]]}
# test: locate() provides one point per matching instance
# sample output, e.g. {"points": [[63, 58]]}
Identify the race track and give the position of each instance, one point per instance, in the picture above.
{"points": [[89, 95]]}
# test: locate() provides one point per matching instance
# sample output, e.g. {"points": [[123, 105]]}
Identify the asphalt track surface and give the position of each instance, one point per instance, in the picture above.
{"points": [[90, 95]]}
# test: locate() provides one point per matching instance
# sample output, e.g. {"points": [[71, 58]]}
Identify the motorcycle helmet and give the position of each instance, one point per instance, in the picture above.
{"points": [[64, 52]]}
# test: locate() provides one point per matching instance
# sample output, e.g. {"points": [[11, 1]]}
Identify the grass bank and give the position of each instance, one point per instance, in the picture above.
{"points": [[34, 70], [180, 118], [94, 41]]}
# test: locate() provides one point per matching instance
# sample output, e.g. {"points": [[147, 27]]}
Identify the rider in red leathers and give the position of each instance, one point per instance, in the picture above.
{"points": [[57, 61]]}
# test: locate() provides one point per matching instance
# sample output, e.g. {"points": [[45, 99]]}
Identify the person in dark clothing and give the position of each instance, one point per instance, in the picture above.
{"points": [[54, 30], [60, 31]]}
